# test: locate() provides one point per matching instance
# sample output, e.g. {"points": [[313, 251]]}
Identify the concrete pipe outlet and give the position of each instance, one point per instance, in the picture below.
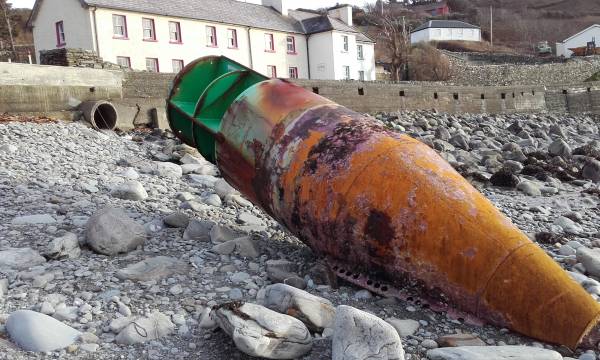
{"points": [[102, 115]]}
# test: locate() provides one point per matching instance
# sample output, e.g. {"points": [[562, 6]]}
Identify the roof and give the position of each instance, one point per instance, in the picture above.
{"points": [[445, 24], [313, 23], [581, 32], [228, 12]]}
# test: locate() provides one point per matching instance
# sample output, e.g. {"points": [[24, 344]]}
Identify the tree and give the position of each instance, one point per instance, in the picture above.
{"points": [[393, 36], [6, 31]]}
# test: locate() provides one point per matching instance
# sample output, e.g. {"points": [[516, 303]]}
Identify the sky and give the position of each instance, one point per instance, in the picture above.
{"points": [[310, 4]]}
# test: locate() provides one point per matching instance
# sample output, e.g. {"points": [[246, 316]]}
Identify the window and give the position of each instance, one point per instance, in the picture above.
{"points": [[124, 61], [345, 40], [360, 53], [232, 41], [148, 26], [293, 73], [291, 45], [272, 71], [152, 64], [346, 72], [60, 33], [119, 26], [177, 65], [175, 32], [269, 43], [211, 36], [361, 75]]}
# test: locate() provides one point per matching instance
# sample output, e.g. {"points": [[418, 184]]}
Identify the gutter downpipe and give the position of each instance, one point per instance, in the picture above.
{"points": [[96, 43], [308, 54], [250, 49]]}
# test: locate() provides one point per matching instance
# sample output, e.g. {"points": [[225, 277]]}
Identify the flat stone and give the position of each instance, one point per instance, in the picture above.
{"points": [[130, 190], [568, 225], [590, 258], [145, 329], [250, 219], [261, 332], [167, 169], [244, 247], [41, 219], [156, 268], [198, 230], [20, 259], [110, 231], [493, 353], [529, 188], [404, 327], [315, 312], [37, 332], [358, 335], [457, 340], [220, 234]]}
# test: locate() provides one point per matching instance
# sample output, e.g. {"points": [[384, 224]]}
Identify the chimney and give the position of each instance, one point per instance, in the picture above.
{"points": [[282, 6], [342, 12]]}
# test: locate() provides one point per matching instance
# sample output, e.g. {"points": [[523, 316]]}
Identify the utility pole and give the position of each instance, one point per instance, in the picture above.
{"points": [[492, 26]]}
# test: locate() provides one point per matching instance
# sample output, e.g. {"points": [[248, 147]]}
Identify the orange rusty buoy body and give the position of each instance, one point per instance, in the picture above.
{"points": [[381, 201]]}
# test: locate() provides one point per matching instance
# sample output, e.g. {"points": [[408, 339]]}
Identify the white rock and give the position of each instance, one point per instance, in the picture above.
{"points": [[20, 259], [404, 327], [130, 190], [317, 313], [207, 321], [110, 231], [198, 230], [260, 332], [569, 226], [359, 335], [145, 329], [41, 219], [493, 353], [167, 169], [590, 258], [37, 332]]}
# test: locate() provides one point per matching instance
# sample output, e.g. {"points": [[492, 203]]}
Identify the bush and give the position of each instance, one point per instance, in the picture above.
{"points": [[425, 63]]}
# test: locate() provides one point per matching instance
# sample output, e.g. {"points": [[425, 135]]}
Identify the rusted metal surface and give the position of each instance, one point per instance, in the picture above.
{"points": [[385, 203]]}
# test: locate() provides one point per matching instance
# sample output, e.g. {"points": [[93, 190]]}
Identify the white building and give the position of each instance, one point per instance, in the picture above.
{"points": [[164, 36], [578, 40], [445, 30]]}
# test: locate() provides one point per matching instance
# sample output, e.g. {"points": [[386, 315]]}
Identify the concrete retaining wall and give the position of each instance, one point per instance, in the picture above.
{"points": [[48, 89]]}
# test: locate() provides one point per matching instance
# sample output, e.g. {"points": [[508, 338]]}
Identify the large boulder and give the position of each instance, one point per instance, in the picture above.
{"points": [[37, 332], [110, 231], [20, 259], [130, 190], [145, 329], [156, 268], [358, 335], [260, 332], [493, 353]]}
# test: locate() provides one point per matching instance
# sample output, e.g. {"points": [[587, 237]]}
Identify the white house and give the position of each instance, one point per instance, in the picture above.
{"points": [[578, 40], [163, 36], [445, 30]]}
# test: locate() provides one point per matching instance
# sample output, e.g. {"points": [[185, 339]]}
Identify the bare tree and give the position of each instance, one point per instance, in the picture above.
{"points": [[393, 36], [6, 12]]}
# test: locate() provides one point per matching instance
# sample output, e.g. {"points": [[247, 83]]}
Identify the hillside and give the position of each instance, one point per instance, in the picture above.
{"points": [[521, 23]]}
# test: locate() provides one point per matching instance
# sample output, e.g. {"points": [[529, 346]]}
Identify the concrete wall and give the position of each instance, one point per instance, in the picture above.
{"points": [[76, 21], [48, 89]]}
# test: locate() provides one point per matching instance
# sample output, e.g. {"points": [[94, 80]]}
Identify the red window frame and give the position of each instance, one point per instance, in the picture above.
{"points": [[211, 36], [234, 38], [293, 72], [157, 68], [125, 35], [127, 59], [179, 39], [178, 61], [272, 71], [152, 30], [293, 51], [61, 40], [269, 40]]}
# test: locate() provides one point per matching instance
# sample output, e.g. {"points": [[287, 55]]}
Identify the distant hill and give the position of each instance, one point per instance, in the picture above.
{"points": [[520, 24]]}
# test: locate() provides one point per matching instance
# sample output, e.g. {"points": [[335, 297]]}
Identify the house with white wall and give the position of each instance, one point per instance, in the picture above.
{"points": [[445, 30], [164, 36], [580, 39]]}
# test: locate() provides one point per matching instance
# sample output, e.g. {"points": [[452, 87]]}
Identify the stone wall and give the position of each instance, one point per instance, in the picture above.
{"points": [[75, 58], [572, 71]]}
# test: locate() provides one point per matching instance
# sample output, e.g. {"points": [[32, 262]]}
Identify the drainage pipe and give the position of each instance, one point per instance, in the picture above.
{"points": [[102, 115]]}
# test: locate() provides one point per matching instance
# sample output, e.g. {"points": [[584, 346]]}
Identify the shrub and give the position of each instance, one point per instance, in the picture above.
{"points": [[425, 63]]}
